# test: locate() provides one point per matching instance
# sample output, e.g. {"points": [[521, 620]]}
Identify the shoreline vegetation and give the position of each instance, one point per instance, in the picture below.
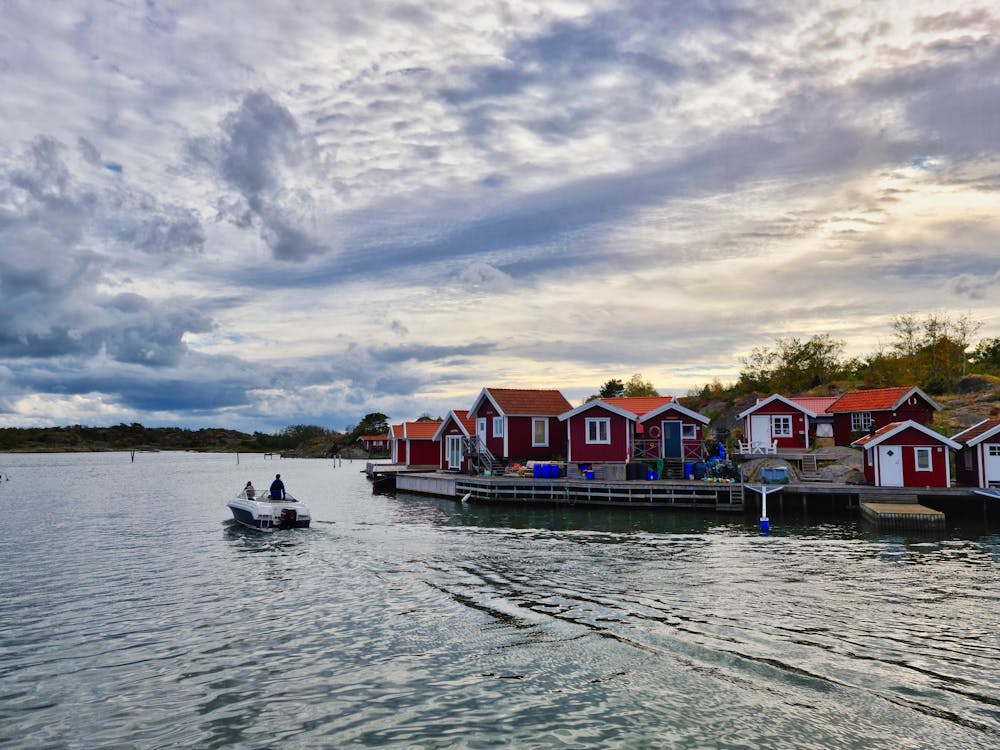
{"points": [[936, 354]]}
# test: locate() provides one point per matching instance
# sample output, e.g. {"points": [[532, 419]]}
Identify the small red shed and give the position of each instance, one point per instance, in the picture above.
{"points": [[678, 430], [862, 411], [907, 454], [777, 423], [978, 460], [412, 443], [374, 443], [603, 430], [451, 436], [520, 423]]}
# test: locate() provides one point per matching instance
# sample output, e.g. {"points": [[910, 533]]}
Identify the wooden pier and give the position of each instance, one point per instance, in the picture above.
{"points": [[896, 515], [627, 494]]}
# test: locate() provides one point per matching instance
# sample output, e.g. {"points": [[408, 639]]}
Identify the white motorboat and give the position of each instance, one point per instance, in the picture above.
{"points": [[262, 513]]}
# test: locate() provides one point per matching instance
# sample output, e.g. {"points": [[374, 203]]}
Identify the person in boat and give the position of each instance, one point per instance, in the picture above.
{"points": [[249, 491], [277, 488]]}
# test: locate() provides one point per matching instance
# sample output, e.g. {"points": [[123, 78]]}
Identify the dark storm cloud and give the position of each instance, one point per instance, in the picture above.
{"points": [[259, 151]]}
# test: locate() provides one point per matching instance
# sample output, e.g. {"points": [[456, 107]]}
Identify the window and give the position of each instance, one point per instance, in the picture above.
{"points": [[923, 458], [497, 426], [967, 459], [689, 432], [993, 450], [781, 426], [861, 421], [539, 432], [598, 430]]}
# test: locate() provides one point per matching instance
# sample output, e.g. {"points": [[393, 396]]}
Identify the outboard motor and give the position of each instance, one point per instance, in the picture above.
{"points": [[288, 518]]}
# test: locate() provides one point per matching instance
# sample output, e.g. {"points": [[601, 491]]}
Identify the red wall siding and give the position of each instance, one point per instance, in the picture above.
{"points": [[921, 413], [495, 444], [691, 449], [777, 408], [615, 452], [422, 453], [520, 432], [450, 429], [968, 477], [906, 441]]}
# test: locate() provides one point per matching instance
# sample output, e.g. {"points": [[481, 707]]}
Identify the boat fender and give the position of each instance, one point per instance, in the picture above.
{"points": [[654, 431]]}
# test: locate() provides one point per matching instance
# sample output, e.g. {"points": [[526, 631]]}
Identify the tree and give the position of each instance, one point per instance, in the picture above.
{"points": [[374, 423], [636, 386], [793, 366], [985, 358], [613, 388]]}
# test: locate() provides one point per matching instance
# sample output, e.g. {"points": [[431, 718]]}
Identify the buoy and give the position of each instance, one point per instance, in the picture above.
{"points": [[465, 498]]}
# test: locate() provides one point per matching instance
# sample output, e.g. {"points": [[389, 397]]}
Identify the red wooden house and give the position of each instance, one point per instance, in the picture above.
{"points": [[679, 431], [412, 443], [523, 424], [907, 454], [608, 430], [779, 423], [450, 436], [374, 443], [863, 411], [978, 460]]}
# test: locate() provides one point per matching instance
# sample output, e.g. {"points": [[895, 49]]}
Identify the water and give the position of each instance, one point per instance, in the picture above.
{"points": [[135, 614]]}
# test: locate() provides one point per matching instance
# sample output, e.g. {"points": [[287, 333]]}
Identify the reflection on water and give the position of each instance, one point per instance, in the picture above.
{"points": [[134, 619]]}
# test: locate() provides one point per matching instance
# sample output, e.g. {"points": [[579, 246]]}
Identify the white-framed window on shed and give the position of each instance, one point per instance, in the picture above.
{"points": [[539, 433], [922, 459], [497, 426], [993, 449], [689, 432], [781, 426], [598, 430], [861, 421]]}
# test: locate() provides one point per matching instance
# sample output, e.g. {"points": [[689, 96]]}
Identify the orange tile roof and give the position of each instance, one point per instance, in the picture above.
{"points": [[529, 402], [877, 434], [816, 404], [468, 424], [397, 430], [876, 399], [639, 405], [971, 433], [374, 437], [421, 430]]}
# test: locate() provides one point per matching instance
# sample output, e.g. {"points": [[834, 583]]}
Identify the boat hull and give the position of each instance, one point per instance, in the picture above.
{"points": [[263, 515]]}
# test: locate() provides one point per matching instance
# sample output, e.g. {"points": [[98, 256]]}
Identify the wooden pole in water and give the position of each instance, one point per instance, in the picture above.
{"points": [[133, 456]]}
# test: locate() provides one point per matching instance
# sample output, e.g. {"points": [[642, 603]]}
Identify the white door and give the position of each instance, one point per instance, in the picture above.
{"points": [[890, 466], [481, 430], [760, 429], [991, 463], [453, 451]]}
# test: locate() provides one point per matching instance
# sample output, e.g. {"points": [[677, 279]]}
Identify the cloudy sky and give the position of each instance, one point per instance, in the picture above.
{"points": [[252, 215]]}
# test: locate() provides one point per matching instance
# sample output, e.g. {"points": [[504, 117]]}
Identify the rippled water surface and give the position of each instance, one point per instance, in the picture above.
{"points": [[135, 614]]}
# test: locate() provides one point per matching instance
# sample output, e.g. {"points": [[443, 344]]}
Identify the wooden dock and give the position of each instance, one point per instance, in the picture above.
{"points": [[628, 494], [902, 515]]}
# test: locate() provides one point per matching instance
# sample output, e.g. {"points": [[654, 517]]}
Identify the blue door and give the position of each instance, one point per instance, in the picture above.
{"points": [[672, 447]]}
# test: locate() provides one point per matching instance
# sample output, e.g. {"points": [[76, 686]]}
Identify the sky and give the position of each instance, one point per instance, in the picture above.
{"points": [[255, 215]]}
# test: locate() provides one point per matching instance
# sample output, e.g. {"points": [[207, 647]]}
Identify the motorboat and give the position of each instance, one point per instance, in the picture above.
{"points": [[262, 513]]}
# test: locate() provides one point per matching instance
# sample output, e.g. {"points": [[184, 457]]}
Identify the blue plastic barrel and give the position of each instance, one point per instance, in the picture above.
{"points": [[538, 471], [689, 471], [588, 474], [651, 476]]}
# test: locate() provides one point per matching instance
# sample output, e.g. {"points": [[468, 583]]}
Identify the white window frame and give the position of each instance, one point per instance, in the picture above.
{"points": [[535, 421], [923, 451], [689, 431], [861, 421], [497, 426], [993, 449], [781, 426], [600, 425]]}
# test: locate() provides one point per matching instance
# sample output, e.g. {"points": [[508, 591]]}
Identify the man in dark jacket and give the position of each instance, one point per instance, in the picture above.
{"points": [[277, 488]]}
